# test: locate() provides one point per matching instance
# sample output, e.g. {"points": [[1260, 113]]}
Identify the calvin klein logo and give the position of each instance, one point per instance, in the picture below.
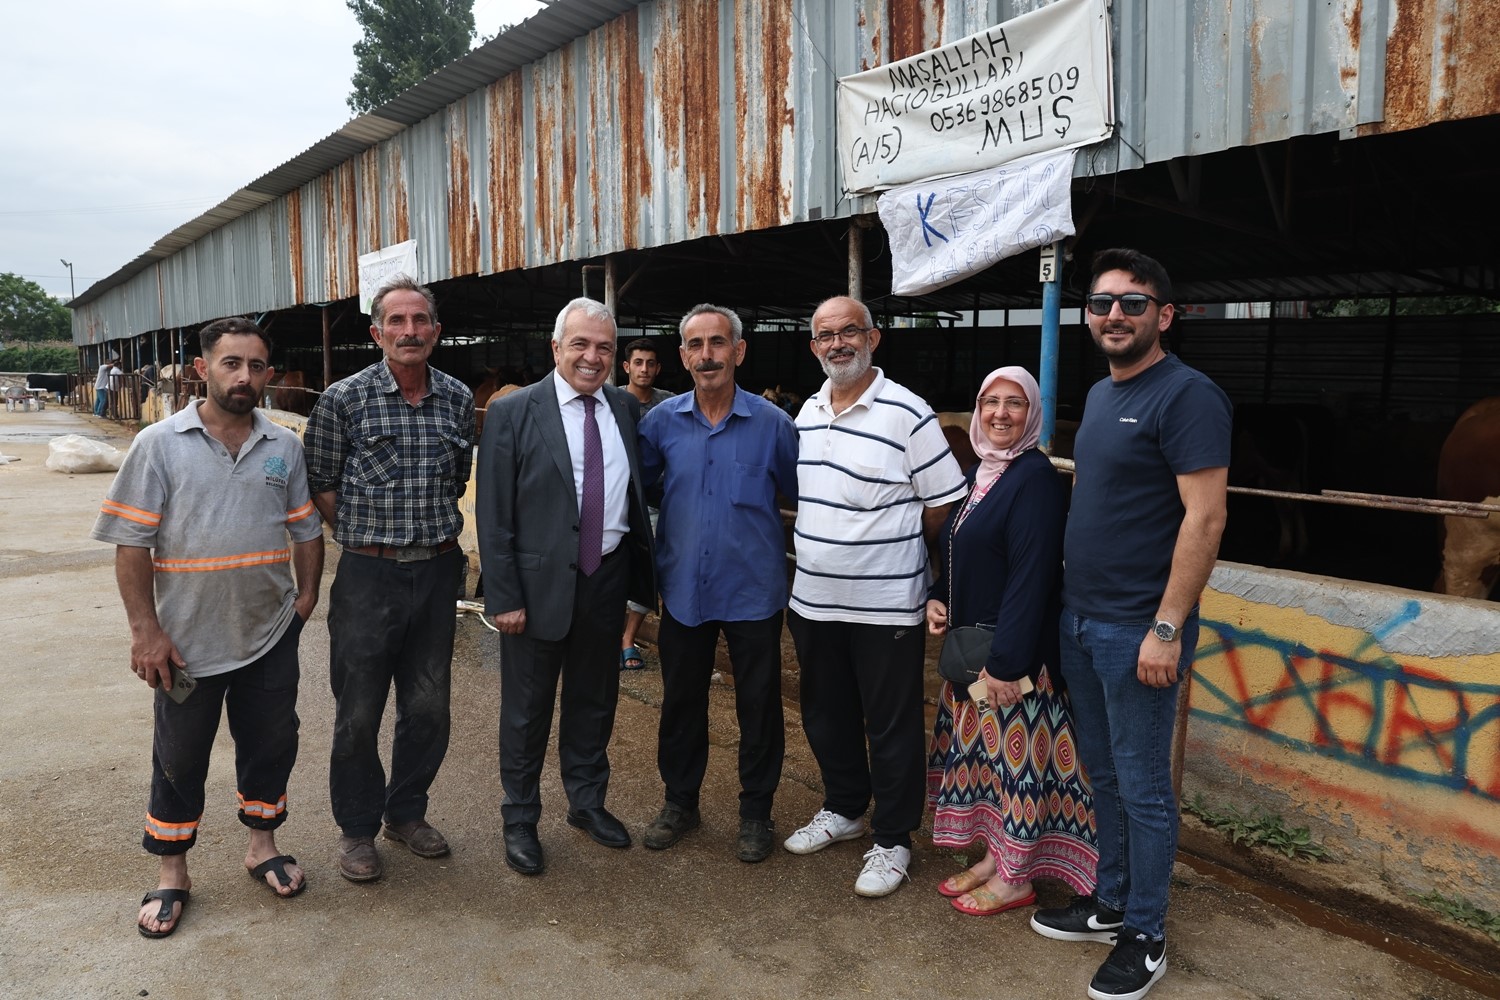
{"points": [[1129, 420]]}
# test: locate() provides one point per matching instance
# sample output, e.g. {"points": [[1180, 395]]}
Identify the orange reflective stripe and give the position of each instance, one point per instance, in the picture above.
{"points": [[214, 563], [300, 513], [262, 810], [130, 513], [160, 830]]}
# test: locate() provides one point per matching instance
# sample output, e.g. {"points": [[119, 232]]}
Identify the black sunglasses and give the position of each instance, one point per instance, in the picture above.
{"points": [[1131, 303]]}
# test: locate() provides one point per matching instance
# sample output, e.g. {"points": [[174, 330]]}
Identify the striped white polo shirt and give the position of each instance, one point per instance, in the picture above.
{"points": [[217, 528], [863, 477]]}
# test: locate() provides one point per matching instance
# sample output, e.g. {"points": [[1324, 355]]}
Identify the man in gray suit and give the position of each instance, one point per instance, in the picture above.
{"points": [[563, 541]]}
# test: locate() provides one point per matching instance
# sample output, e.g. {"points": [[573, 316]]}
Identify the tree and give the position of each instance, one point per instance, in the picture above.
{"points": [[38, 359], [1438, 305], [28, 313], [404, 42]]}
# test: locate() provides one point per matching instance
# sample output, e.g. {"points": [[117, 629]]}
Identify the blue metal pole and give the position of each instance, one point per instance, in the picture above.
{"points": [[1051, 327]]}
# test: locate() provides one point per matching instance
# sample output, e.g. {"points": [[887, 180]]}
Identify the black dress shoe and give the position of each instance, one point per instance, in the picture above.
{"points": [[601, 826], [754, 844], [523, 851]]}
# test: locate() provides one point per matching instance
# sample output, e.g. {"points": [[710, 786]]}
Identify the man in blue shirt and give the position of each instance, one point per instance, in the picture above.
{"points": [[722, 455], [1148, 510]]}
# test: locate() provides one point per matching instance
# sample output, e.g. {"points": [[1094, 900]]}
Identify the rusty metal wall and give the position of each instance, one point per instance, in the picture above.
{"points": [[679, 119]]}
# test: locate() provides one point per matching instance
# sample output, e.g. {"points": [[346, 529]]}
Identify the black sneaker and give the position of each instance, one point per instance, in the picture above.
{"points": [[1084, 919], [754, 844], [670, 825], [1131, 969]]}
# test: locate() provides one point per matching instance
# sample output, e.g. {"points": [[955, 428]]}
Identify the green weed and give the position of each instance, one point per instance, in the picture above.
{"points": [[1260, 830], [1461, 911]]}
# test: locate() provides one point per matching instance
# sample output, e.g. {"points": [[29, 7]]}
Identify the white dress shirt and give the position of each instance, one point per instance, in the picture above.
{"points": [[616, 463]]}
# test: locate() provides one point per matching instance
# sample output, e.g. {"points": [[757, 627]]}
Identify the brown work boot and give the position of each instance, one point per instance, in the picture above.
{"points": [[358, 861], [670, 826], [419, 835]]}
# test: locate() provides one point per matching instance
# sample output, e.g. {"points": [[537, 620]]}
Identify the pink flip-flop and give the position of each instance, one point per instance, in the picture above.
{"points": [[999, 907], [956, 885]]}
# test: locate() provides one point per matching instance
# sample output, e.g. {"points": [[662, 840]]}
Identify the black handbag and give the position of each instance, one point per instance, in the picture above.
{"points": [[966, 647], [965, 650]]}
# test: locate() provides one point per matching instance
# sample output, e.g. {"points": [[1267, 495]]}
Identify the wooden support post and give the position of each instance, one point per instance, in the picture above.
{"points": [[611, 298], [327, 350], [856, 260], [1179, 736]]}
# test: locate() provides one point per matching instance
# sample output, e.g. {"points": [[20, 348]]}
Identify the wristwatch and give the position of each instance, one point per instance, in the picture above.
{"points": [[1165, 631]]}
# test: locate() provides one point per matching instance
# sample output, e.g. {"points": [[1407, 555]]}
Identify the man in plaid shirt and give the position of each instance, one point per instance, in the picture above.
{"points": [[388, 455]]}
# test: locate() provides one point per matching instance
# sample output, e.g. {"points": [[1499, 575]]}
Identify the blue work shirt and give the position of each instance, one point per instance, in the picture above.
{"points": [[720, 544]]}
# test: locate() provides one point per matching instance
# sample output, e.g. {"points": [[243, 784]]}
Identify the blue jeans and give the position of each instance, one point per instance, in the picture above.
{"points": [[1124, 731]]}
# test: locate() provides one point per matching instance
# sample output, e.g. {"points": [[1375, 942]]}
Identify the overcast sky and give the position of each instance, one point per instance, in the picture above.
{"points": [[123, 121]]}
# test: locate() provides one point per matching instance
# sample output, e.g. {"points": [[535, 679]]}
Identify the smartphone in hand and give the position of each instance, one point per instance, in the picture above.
{"points": [[182, 684], [979, 692]]}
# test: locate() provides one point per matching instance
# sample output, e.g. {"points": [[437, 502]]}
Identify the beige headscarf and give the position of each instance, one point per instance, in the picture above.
{"points": [[992, 460]]}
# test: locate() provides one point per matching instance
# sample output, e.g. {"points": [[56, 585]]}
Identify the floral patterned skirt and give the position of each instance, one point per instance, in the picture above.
{"points": [[1010, 777]]}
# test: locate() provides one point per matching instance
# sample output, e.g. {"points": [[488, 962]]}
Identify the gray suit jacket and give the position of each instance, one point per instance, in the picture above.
{"points": [[526, 510]]}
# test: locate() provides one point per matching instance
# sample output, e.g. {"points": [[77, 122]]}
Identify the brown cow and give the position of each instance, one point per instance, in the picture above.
{"points": [[784, 398], [498, 382], [289, 392], [955, 427], [1469, 469], [485, 387], [483, 407]]}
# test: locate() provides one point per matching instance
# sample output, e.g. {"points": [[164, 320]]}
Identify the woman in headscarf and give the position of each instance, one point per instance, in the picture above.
{"points": [[1007, 779]]}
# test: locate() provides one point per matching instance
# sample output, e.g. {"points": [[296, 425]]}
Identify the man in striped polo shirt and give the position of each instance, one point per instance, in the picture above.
{"points": [[875, 479], [200, 515]]}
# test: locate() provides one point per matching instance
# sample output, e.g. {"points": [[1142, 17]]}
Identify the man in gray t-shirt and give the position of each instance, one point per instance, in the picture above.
{"points": [[642, 367], [211, 518]]}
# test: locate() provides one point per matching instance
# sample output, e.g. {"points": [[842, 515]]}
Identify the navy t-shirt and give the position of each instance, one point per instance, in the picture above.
{"points": [[1136, 437]]}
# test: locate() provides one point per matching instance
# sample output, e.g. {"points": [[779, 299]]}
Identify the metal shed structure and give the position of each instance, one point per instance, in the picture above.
{"points": [[1269, 148]]}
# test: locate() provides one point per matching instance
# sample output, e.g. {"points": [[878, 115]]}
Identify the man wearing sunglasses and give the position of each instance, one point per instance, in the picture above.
{"points": [[1148, 509]]}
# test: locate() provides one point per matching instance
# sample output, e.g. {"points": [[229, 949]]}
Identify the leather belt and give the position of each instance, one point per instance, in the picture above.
{"points": [[404, 553]]}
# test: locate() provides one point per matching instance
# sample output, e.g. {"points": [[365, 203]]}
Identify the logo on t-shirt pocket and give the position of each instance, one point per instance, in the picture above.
{"points": [[276, 472]]}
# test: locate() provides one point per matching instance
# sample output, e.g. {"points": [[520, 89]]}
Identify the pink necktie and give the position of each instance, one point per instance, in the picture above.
{"points": [[591, 510]]}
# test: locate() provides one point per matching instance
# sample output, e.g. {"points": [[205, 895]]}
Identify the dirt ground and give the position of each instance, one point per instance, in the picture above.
{"points": [[689, 922]]}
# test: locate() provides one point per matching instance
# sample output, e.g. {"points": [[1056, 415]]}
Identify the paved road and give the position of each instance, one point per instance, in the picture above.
{"points": [[690, 922]]}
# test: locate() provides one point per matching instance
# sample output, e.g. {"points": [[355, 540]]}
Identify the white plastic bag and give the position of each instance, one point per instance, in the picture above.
{"points": [[75, 453]]}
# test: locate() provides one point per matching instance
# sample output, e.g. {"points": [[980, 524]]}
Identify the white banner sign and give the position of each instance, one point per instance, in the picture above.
{"points": [[1037, 82], [378, 265], [945, 230]]}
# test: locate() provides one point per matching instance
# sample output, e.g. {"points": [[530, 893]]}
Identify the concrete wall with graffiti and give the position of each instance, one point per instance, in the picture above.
{"points": [[1370, 714]]}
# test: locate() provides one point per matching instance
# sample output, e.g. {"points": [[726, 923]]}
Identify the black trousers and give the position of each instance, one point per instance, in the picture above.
{"points": [[587, 660], [261, 700], [687, 666], [862, 681], [389, 624]]}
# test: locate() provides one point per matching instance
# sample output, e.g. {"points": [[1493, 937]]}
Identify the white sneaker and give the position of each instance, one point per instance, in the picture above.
{"points": [[824, 829], [885, 867]]}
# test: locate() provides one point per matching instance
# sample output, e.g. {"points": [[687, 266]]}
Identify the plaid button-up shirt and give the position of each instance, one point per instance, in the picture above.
{"points": [[399, 470]]}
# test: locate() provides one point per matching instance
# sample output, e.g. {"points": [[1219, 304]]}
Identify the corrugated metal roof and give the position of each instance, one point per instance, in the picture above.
{"points": [[532, 39], [600, 126]]}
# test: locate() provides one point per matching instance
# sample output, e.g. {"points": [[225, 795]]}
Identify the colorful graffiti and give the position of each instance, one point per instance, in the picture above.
{"points": [[1360, 706]]}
